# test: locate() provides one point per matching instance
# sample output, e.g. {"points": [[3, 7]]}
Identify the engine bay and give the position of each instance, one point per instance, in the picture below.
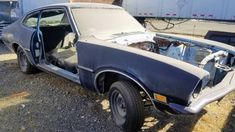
{"points": [[210, 58]]}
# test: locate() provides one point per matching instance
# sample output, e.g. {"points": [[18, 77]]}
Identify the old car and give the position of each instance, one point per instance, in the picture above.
{"points": [[103, 48]]}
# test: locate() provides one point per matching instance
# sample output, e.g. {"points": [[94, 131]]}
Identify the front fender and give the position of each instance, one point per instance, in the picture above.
{"points": [[156, 75]]}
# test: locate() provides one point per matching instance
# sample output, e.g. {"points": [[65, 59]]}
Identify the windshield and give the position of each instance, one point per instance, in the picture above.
{"points": [[105, 21]]}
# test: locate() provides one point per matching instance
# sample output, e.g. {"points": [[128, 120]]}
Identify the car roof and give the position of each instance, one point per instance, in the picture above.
{"points": [[84, 5], [77, 5]]}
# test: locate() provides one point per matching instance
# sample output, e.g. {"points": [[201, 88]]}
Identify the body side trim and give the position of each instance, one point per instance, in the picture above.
{"points": [[26, 49], [85, 68]]}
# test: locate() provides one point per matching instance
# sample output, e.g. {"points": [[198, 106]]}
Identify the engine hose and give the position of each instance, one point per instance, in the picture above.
{"points": [[170, 25]]}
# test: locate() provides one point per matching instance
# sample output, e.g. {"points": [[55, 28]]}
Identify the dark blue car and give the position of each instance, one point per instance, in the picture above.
{"points": [[104, 49]]}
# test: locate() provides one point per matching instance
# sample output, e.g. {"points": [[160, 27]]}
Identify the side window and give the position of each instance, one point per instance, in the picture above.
{"points": [[53, 18], [31, 21]]}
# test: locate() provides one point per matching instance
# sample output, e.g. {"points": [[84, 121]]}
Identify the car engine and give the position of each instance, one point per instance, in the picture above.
{"points": [[217, 62]]}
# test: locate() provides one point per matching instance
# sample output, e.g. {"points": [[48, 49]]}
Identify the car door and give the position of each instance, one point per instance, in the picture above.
{"points": [[31, 36]]}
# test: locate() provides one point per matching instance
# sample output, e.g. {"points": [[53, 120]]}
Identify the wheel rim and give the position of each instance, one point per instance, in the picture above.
{"points": [[22, 61], [118, 107]]}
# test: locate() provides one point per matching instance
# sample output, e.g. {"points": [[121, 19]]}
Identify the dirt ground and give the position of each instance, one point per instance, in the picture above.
{"points": [[44, 102], [191, 27]]}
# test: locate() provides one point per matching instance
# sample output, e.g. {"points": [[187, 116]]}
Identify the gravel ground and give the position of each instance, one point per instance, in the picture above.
{"points": [[44, 102]]}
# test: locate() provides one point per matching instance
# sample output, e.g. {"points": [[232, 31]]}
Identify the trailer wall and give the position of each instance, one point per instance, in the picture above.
{"points": [[192, 9]]}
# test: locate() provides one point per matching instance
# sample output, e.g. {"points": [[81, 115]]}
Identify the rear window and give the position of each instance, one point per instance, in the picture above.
{"points": [[53, 18]]}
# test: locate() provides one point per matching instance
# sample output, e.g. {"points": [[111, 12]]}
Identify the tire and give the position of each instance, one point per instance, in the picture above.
{"points": [[127, 106], [23, 62]]}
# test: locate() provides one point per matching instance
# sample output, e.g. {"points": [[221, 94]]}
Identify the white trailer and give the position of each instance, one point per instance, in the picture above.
{"points": [[186, 9], [26, 5]]}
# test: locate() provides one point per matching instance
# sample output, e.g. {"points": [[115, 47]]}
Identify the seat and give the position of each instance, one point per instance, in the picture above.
{"points": [[70, 63], [66, 56], [69, 40]]}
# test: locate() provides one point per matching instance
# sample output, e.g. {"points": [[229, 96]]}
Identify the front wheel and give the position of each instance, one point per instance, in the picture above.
{"points": [[126, 105]]}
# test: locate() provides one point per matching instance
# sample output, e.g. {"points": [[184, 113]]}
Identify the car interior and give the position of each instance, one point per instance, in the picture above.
{"points": [[59, 40]]}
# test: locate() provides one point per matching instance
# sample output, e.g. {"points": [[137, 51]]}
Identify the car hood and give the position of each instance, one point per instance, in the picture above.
{"points": [[126, 39]]}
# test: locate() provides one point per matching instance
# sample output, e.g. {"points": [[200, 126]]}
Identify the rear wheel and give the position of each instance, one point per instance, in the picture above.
{"points": [[126, 105], [23, 62]]}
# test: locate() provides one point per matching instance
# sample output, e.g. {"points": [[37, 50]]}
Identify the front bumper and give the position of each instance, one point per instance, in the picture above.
{"points": [[207, 96]]}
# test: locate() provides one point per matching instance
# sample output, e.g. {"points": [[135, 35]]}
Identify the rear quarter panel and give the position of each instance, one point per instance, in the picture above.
{"points": [[19, 34]]}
